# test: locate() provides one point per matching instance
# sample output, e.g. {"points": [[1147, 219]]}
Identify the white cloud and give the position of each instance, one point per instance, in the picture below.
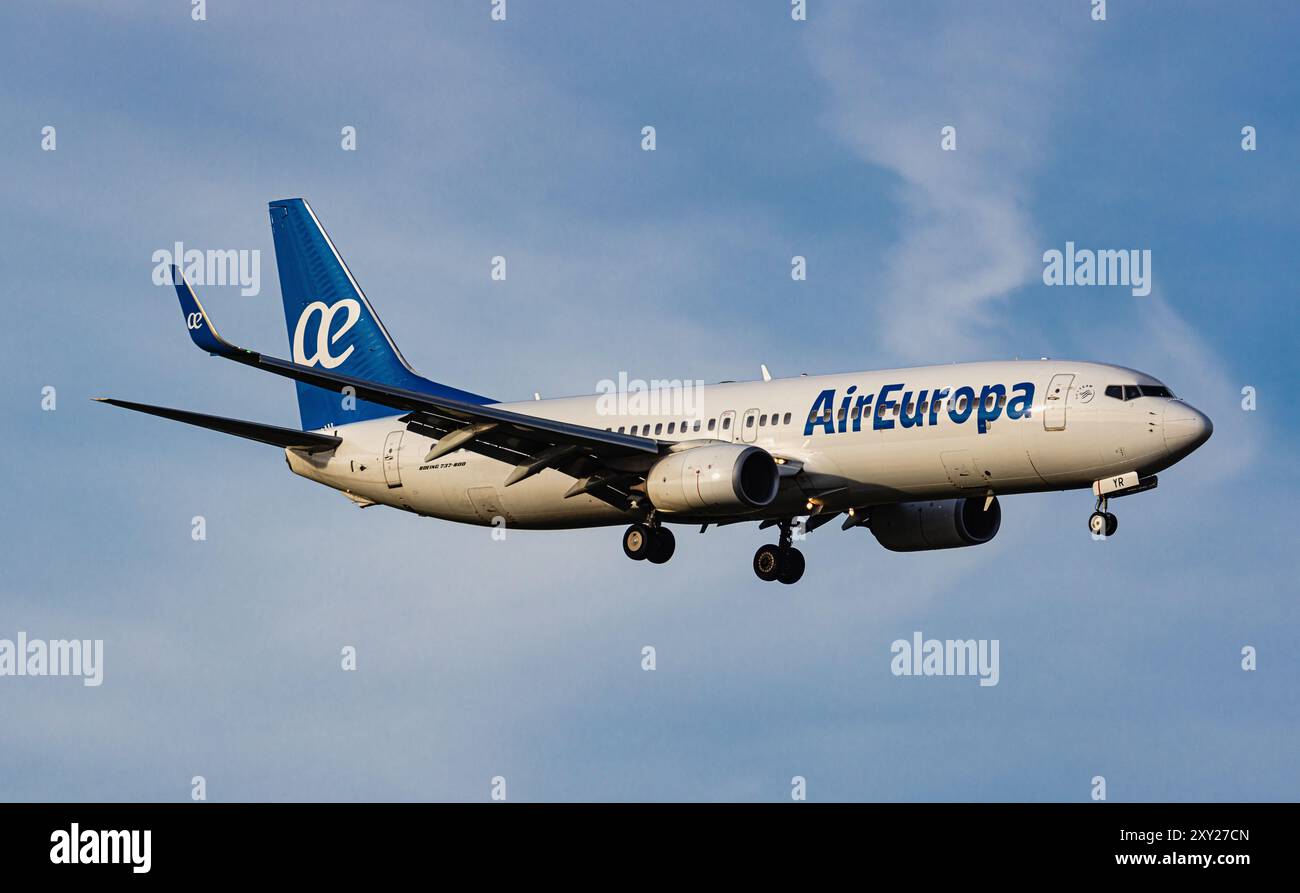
{"points": [[967, 240]]}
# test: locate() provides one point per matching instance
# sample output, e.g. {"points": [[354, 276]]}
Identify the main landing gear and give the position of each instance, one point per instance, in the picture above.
{"points": [[781, 561], [1102, 522], [651, 542]]}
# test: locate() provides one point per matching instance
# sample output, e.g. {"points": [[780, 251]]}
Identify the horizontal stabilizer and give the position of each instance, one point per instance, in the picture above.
{"points": [[272, 434]]}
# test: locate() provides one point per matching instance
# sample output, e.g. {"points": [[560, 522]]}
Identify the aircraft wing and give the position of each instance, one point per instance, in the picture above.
{"points": [[605, 462]]}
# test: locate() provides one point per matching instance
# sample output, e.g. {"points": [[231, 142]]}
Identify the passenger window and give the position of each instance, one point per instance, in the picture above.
{"points": [[671, 427], [634, 430], [712, 423], [659, 428], [620, 429], [749, 421], [697, 424], [841, 413], [762, 420], [726, 424], [787, 418], [910, 407], [961, 403]]}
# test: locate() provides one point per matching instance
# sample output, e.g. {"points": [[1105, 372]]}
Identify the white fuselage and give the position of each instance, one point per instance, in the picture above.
{"points": [[1068, 435]]}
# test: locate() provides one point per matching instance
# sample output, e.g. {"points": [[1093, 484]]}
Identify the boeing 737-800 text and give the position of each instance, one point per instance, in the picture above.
{"points": [[918, 456]]}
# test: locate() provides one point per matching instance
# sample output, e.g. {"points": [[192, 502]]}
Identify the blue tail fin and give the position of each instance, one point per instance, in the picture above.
{"points": [[332, 325]]}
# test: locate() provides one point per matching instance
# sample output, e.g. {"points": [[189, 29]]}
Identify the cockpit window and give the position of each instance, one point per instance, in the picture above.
{"points": [[1133, 391]]}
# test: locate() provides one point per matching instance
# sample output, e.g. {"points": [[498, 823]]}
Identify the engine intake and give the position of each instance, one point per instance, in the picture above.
{"points": [[719, 478], [941, 524]]}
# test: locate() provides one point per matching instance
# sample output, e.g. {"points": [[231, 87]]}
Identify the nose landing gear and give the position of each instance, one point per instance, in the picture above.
{"points": [[781, 561], [1102, 522]]}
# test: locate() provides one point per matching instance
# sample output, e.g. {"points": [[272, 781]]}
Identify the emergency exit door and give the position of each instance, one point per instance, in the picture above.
{"points": [[726, 425]]}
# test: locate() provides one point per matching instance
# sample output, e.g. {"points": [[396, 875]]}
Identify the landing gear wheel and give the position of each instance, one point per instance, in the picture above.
{"points": [[792, 565], [637, 540], [662, 545], [1102, 522], [767, 562], [1097, 524]]}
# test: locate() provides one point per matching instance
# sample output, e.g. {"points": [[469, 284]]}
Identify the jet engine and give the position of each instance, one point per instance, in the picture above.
{"points": [[713, 479], [941, 524]]}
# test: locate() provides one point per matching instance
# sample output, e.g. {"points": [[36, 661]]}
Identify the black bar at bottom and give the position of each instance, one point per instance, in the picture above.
{"points": [[641, 841]]}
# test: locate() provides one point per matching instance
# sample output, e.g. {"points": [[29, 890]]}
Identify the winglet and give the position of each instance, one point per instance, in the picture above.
{"points": [[202, 331]]}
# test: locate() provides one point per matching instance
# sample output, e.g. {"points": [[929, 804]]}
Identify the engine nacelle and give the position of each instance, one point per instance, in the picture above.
{"points": [[718, 479], [942, 524]]}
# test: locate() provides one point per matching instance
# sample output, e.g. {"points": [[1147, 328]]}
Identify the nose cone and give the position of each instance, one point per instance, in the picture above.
{"points": [[1185, 429]]}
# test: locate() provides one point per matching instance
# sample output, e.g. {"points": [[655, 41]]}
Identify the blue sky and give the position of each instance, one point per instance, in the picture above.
{"points": [[774, 138]]}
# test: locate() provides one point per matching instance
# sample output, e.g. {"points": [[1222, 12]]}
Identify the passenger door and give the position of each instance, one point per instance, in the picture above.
{"points": [[392, 450], [1058, 392]]}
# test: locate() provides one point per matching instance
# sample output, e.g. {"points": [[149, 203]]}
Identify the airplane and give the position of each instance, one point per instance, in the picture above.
{"points": [[918, 456]]}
